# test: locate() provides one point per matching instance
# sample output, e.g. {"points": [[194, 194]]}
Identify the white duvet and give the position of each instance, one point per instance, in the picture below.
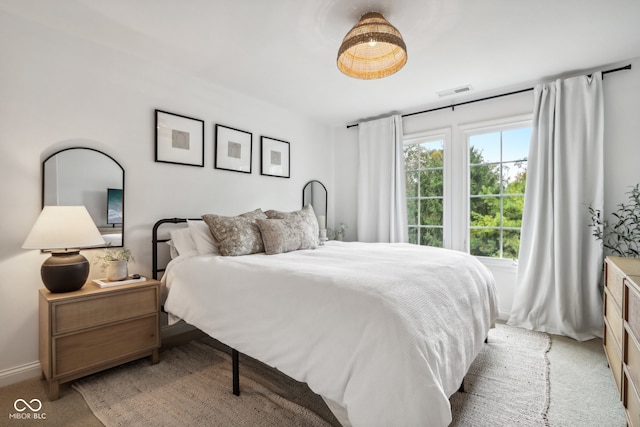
{"points": [[388, 331]]}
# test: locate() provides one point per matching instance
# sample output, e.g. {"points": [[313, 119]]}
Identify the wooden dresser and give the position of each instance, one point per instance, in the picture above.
{"points": [[95, 328], [622, 330]]}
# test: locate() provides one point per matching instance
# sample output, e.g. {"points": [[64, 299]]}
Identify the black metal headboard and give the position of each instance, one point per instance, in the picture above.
{"points": [[156, 241]]}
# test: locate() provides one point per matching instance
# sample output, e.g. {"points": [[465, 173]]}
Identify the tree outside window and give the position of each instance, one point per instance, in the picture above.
{"points": [[488, 164], [497, 178], [424, 165]]}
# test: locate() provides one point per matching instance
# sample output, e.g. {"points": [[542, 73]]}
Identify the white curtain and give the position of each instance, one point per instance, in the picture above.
{"points": [[382, 205], [560, 262]]}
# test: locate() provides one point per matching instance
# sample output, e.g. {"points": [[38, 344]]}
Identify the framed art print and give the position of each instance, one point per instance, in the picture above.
{"points": [[179, 139], [232, 149], [274, 157]]}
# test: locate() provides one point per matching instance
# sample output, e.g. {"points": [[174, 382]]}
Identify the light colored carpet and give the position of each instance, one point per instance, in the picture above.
{"points": [[508, 383], [192, 386], [583, 392]]}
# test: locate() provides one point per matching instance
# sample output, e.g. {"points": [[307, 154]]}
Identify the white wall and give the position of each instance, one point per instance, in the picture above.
{"points": [[622, 147], [57, 92], [621, 134]]}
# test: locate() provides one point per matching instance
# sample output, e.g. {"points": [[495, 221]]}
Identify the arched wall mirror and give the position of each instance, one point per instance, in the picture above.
{"points": [[314, 193], [84, 176]]}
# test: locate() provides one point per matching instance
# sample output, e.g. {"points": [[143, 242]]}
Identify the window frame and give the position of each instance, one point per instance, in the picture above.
{"points": [[444, 135], [478, 128]]}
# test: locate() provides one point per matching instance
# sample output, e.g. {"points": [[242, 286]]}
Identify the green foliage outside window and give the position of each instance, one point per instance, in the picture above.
{"points": [[424, 165], [496, 206], [496, 200]]}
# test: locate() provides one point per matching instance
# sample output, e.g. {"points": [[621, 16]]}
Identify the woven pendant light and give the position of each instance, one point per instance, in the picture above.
{"points": [[372, 49]]}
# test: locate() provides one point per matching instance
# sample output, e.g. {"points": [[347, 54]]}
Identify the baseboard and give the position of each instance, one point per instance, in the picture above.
{"points": [[20, 373]]}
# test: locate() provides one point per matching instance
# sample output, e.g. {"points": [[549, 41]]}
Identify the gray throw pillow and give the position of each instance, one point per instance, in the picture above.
{"points": [[307, 221], [285, 235], [237, 235]]}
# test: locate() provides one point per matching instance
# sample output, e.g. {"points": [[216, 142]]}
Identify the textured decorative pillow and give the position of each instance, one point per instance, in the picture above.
{"points": [[307, 220], [285, 235], [203, 239], [237, 235], [182, 242]]}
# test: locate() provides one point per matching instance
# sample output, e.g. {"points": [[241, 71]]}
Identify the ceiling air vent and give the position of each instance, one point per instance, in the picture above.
{"points": [[455, 91]]}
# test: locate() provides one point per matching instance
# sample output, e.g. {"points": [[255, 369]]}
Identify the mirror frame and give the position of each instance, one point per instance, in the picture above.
{"points": [[123, 186], [326, 199]]}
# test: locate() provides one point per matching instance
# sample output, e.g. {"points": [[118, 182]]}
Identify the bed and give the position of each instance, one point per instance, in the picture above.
{"points": [[383, 332]]}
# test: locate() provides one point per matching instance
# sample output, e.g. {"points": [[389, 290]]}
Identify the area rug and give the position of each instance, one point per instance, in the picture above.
{"points": [[508, 383], [191, 386]]}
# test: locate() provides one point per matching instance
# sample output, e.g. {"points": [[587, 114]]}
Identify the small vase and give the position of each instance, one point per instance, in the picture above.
{"points": [[117, 270], [323, 236]]}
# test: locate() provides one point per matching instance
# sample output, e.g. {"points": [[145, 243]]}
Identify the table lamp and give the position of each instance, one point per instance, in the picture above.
{"points": [[60, 228]]}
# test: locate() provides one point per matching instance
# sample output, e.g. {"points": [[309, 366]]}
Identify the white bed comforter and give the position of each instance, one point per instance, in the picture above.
{"points": [[386, 330]]}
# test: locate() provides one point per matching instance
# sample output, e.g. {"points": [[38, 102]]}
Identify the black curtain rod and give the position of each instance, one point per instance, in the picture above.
{"points": [[453, 106]]}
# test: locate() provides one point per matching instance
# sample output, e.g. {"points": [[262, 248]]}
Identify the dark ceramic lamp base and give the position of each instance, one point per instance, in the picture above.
{"points": [[65, 271]]}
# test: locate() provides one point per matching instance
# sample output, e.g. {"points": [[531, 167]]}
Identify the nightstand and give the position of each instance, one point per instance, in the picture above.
{"points": [[96, 328]]}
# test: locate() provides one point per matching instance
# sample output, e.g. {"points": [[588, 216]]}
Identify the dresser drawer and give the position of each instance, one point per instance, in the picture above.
{"points": [[631, 357], [76, 352], [632, 308], [614, 283], [81, 313], [613, 316], [631, 401], [613, 355]]}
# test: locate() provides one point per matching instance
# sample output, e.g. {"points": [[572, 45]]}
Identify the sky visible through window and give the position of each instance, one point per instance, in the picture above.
{"points": [[515, 146]]}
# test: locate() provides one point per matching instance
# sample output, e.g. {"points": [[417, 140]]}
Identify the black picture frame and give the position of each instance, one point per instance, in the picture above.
{"points": [[233, 149], [179, 139], [275, 157]]}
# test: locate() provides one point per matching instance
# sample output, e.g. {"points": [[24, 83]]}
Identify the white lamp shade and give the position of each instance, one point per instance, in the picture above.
{"points": [[63, 227]]}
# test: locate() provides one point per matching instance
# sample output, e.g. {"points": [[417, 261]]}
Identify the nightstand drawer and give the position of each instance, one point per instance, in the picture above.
{"points": [[82, 313], [76, 352]]}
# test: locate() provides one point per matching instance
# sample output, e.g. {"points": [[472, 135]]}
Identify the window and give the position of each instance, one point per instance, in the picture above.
{"points": [[465, 186], [425, 177], [497, 177]]}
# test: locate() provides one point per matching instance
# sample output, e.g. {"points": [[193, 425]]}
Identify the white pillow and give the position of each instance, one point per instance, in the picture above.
{"points": [[173, 252], [204, 241], [182, 242]]}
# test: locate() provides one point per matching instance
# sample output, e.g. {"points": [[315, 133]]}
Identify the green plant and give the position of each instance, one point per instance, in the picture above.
{"points": [[333, 233], [621, 237], [120, 254]]}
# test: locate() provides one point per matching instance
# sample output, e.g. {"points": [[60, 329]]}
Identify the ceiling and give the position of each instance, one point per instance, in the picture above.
{"points": [[284, 51]]}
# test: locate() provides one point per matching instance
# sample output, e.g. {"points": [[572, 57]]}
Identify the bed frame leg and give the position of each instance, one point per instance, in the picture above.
{"points": [[486, 340], [236, 372], [461, 389]]}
